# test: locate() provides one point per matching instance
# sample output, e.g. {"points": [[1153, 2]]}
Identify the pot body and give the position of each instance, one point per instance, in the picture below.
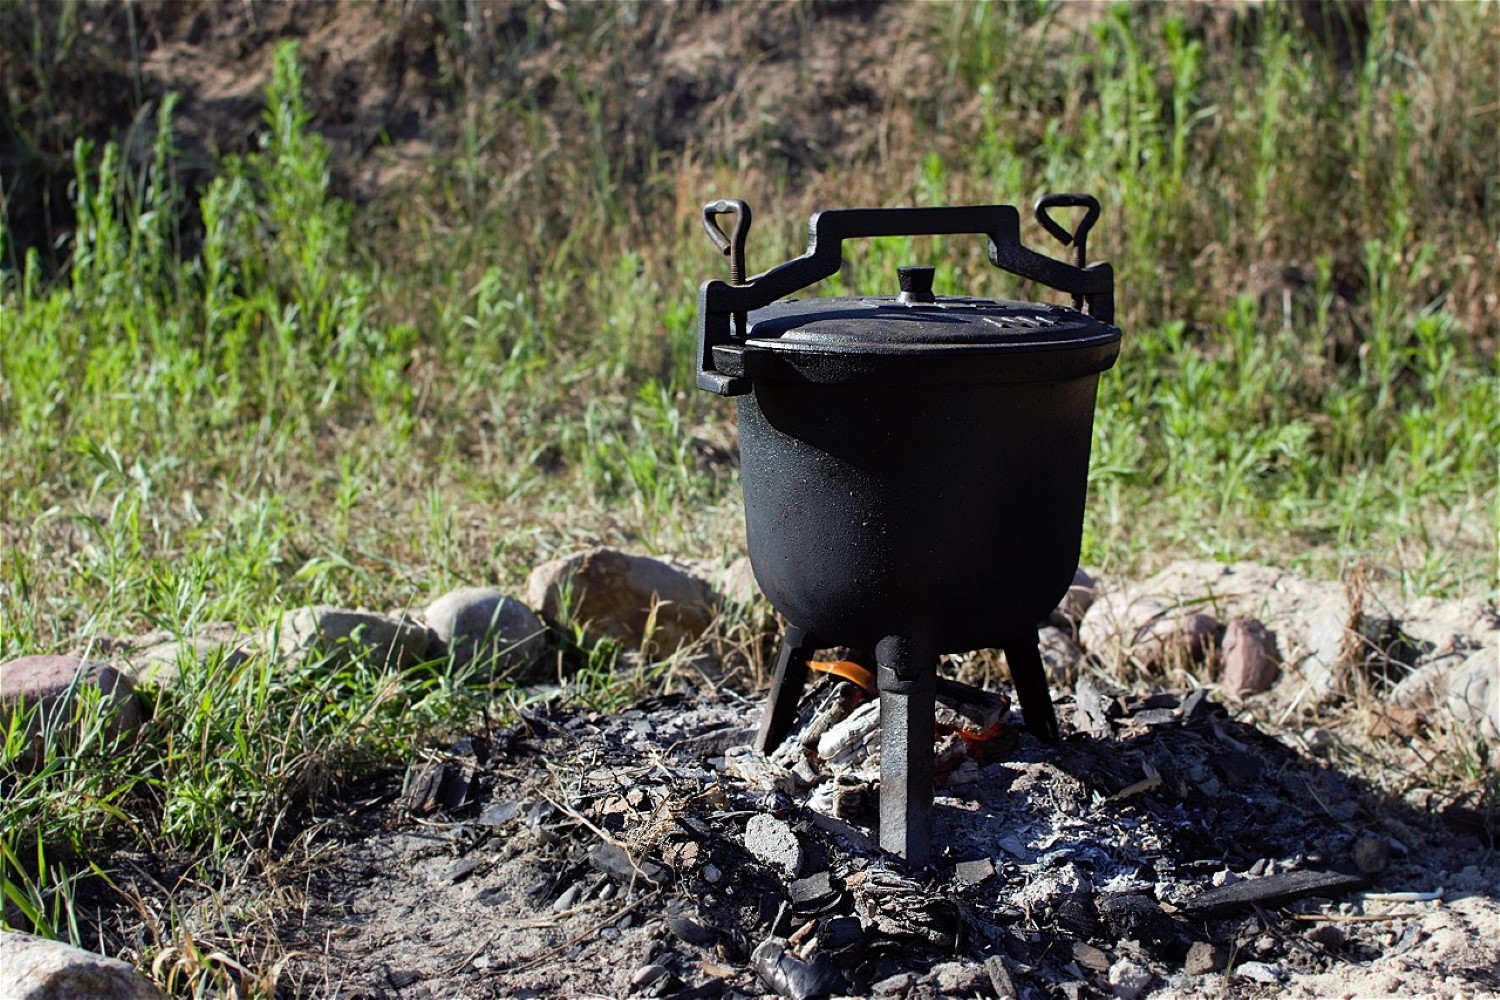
{"points": [[952, 513]]}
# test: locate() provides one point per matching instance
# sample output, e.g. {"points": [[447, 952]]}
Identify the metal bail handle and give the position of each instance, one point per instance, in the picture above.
{"points": [[723, 309]]}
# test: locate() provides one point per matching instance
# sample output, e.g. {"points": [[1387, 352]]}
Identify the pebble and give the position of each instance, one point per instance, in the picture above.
{"points": [[973, 872], [1260, 972], [1128, 980], [1203, 958], [711, 873], [1000, 978], [689, 931], [1252, 659], [647, 974], [774, 844], [959, 979], [1372, 855], [894, 986], [1090, 957], [567, 899], [1319, 741]]}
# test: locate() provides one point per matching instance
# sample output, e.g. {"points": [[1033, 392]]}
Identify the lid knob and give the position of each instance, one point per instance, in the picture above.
{"points": [[916, 284]]}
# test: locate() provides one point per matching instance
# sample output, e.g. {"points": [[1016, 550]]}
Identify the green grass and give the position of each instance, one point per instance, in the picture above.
{"points": [[300, 402]]}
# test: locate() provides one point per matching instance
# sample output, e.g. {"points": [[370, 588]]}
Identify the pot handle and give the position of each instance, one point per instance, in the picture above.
{"points": [[1092, 287]]}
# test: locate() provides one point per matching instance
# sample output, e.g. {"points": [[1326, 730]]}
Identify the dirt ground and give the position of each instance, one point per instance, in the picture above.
{"points": [[652, 853]]}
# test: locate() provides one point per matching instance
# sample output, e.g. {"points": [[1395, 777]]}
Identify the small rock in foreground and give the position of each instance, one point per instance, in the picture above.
{"points": [[38, 969], [52, 682], [1252, 661], [772, 841]]}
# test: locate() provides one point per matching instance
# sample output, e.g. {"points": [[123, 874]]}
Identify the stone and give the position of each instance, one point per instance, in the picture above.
{"points": [[1128, 979], [1001, 980], [1474, 693], [1090, 957], [1252, 660], [1079, 598], [52, 684], [1203, 958], [960, 979], [1372, 855], [1122, 626], [1427, 685], [898, 985], [645, 603], [1259, 972], [341, 635], [648, 974], [1060, 655], [160, 664], [973, 872], [774, 844], [483, 626], [39, 969]]}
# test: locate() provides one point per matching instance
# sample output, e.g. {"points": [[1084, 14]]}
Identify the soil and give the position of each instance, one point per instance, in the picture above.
{"points": [[651, 852]]}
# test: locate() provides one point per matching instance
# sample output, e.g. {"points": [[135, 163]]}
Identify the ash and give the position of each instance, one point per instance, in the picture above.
{"points": [[1163, 848]]}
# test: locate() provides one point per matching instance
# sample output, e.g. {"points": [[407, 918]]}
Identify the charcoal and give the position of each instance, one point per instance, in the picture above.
{"points": [[794, 978]]}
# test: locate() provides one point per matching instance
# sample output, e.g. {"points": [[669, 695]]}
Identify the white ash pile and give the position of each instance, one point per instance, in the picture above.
{"points": [[650, 853]]}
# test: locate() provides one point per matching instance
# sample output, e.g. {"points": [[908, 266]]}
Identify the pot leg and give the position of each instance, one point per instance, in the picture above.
{"points": [[1029, 675], [907, 673], [786, 689]]}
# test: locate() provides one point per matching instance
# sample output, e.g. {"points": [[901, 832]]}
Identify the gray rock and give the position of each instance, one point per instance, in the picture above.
{"points": [[1128, 980], [1427, 685], [38, 969], [960, 979], [1474, 693], [898, 985], [340, 635], [1252, 659], [1330, 651], [650, 604], [1079, 598], [773, 843], [160, 664], [1060, 655], [480, 624], [647, 974], [1001, 980], [1259, 972], [52, 683]]}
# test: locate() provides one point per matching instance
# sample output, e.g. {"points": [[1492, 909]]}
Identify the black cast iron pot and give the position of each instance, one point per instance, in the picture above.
{"points": [[914, 466]]}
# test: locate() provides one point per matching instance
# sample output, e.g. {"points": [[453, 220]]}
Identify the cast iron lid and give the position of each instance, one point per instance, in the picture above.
{"points": [[918, 337]]}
